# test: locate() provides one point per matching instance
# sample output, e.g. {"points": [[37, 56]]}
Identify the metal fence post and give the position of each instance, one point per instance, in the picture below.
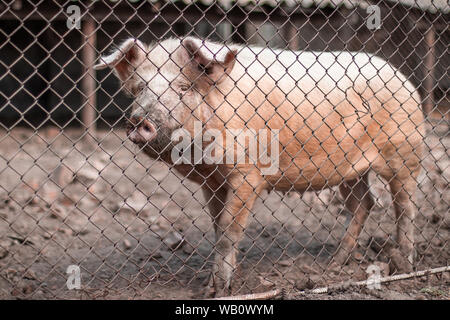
{"points": [[88, 82], [429, 71]]}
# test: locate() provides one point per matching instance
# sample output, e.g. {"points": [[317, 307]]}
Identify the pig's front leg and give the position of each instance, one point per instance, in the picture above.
{"points": [[229, 227]]}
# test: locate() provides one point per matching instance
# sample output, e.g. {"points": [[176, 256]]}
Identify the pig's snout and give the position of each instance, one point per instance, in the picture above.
{"points": [[141, 130]]}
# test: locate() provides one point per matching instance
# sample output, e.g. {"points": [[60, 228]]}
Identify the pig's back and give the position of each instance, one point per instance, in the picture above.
{"points": [[328, 70], [323, 75], [299, 64]]}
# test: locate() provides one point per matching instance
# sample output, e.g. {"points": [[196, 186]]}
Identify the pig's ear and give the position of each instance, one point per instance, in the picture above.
{"points": [[207, 65], [125, 59]]}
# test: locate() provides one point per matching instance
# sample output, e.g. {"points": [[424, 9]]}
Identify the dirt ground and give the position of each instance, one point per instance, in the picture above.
{"points": [[138, 231]]}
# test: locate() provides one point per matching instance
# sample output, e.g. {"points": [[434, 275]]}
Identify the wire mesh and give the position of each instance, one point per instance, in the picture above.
{"points": [[346, 103]]}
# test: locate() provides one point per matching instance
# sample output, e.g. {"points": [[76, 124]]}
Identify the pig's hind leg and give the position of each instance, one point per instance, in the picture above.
{"points": [[359, 202]]}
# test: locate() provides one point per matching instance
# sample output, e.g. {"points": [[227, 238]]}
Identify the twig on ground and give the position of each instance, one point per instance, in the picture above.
{"points": [[277, 292]]}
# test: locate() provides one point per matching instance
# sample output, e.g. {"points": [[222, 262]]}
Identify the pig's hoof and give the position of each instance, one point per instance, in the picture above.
{"points": [[400, 262], [341, 258], [208, 292], [214, 288], [222, 291]]}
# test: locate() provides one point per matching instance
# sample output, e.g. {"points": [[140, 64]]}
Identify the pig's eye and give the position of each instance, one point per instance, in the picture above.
{"points": [[184, 87]]}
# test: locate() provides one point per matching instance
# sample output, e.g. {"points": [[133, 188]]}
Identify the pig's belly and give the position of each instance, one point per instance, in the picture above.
{"points": [[304, 173], [321, 157]]}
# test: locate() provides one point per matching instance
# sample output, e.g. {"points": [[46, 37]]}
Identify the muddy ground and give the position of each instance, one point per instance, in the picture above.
{"points": [[138, 231]]}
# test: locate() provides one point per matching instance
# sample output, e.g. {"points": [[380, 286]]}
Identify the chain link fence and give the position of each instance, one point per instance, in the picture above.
{"points": [[105, 189]]}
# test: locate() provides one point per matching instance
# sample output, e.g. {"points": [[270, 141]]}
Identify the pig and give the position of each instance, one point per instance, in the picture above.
{"points": [[339, 115]]}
